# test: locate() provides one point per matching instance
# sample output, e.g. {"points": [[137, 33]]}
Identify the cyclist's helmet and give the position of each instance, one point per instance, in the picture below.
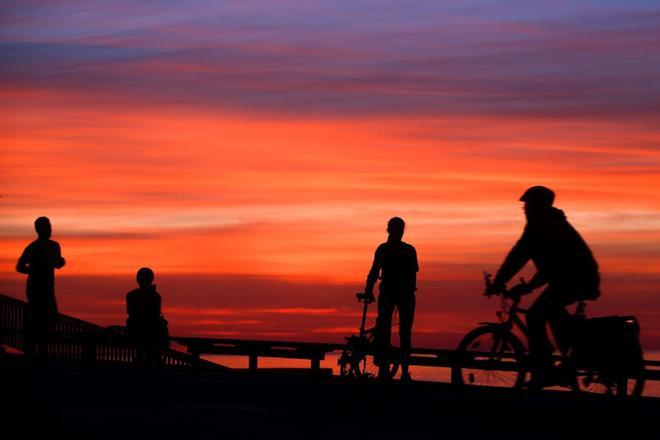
{"points": [[538, 195]]}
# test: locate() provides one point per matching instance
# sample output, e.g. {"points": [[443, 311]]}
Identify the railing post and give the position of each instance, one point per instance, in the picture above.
{"points": [[253, 362], [454, 361], [316, 364], [195, 354]]}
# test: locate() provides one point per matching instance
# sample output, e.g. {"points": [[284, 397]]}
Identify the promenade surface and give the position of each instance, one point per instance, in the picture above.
{"points": [[76, 401]]}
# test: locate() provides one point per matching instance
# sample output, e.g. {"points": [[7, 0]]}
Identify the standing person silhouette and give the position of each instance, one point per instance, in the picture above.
{"points": [[145, 325], [39, 261], [563, 261], [395, 263]]}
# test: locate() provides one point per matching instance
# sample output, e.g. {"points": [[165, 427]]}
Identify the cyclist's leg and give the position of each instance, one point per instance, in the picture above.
{"points": [[561, 324], [383, 331], [406, 306], [546, 307]]}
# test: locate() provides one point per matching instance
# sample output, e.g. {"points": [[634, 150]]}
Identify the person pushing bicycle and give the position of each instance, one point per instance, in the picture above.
{"points": [[395, 263], [564, 264]]}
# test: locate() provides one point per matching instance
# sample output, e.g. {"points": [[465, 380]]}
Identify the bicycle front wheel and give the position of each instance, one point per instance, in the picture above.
{"points": [[363, 365], [357, 361], [489, 356]]}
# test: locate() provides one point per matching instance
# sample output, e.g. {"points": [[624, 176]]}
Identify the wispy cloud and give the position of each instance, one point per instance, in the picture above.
{"points": [[583, 62]]}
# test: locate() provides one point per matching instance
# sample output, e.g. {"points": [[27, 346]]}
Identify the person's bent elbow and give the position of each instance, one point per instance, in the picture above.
{"points": [[21, 267], [60, 263]]}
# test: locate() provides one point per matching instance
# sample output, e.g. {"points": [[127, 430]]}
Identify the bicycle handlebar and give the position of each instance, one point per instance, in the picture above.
{"points": [[365, 297], [515, 292]]}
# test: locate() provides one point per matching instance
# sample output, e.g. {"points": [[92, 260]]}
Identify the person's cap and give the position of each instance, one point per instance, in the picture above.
{"points": [[538, 195]]}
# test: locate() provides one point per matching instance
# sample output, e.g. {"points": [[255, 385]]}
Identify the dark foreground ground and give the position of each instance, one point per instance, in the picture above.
{"points": [[73, 401]]}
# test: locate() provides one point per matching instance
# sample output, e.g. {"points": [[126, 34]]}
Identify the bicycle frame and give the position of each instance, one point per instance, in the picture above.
{"points": [[364, 331], [353, 360], [495, 341], [512, 310]]}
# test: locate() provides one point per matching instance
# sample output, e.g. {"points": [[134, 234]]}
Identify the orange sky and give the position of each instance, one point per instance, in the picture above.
{"points": [[307, 200], [255, 170]]}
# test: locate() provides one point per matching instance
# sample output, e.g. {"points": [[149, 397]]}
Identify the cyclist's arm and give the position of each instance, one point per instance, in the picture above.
{"points": [[537, 281], [518, 256]]}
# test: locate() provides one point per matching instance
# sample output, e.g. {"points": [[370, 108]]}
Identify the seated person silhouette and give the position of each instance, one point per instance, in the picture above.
{"points": [[145, 325], [395, 263], [564, 263], [39, 261]]}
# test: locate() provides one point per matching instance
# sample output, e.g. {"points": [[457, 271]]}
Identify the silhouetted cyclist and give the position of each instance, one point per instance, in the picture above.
{"points": [[145, 325], [395, 262], [563, 261], [39, 261]]}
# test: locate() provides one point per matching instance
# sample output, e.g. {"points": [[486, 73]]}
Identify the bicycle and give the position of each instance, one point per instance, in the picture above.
{"points": [[492, 354], [356, 359]]}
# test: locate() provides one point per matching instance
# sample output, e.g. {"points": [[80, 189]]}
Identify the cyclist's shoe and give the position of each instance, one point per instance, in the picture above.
{"points": [[406, 378]]}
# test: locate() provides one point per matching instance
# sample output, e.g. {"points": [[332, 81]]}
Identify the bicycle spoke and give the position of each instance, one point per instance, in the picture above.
{"points": [[492, 349], [594, 384]]}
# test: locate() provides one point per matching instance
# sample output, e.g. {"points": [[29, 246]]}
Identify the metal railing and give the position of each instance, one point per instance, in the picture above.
{"points": [[316, 352], [75, 339], [254, 349], [81, 340]]}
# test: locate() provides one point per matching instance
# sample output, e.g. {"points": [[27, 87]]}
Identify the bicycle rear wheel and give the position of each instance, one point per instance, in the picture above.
{"points": [[489, 356], [630, 384], [608, 357]]}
